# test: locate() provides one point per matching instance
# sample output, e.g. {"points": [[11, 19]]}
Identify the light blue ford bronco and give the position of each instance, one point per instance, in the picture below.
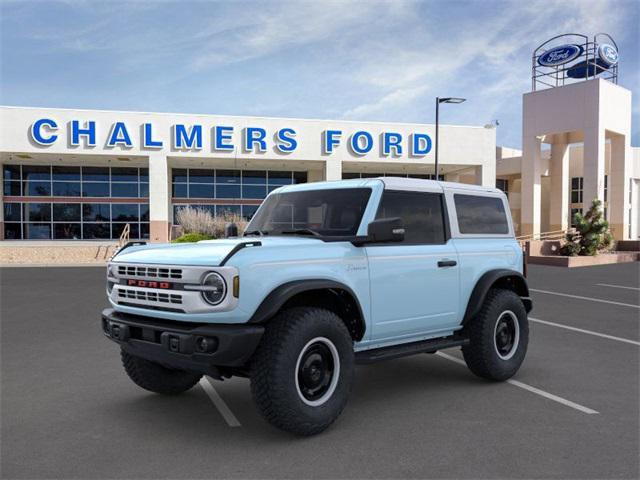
{"points": [[325, 276]]}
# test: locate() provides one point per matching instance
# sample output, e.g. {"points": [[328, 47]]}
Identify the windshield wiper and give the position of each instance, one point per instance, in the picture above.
{"points": [[258, 233], [301, 231]]}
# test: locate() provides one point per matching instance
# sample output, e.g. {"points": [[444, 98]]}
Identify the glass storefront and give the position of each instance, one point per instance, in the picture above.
{"points": [[95, 203], [77, 202], [219, 190]]}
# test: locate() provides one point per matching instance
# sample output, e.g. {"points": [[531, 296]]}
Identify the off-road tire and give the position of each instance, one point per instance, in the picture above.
{"points": [[481, 355], [156, 378], [274, 370]]}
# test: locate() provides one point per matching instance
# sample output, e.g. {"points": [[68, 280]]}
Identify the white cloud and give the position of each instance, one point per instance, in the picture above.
{"points": [[280, 26], [396, 98], [496, 52], [362, 60]]}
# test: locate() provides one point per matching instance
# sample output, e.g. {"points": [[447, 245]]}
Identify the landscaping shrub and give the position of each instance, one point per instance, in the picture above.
{"points": [[592, 233], [200, 221], [196, 220], [192, 238]]}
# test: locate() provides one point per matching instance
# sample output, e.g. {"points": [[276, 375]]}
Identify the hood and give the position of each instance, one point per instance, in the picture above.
{"points": [[204, 253]]}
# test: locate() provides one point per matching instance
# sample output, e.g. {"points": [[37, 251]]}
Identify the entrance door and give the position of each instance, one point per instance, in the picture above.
{"points": [[414, 284]]}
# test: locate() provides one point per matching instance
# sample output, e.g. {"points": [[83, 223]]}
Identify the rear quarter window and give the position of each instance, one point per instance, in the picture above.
{"points": [[421, 214], [480, 215]]}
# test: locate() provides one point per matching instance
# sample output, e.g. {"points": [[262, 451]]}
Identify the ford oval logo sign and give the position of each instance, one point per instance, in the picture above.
{"points": [[608, 54], [560, 55]]}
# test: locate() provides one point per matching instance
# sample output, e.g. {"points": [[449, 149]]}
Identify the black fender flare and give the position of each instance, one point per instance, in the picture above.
{"points": [[274, 301], [509, 278]]}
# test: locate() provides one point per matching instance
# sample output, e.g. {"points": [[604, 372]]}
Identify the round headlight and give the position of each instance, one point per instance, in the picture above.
{"points": [[214, 289]]}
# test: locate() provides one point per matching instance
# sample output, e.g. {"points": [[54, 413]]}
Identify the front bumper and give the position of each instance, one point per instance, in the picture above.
{"points": [[180, 344]]}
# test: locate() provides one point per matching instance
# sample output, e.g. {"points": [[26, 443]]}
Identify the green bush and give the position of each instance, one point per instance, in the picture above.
{"points": [[192, 238], [592, 233]]}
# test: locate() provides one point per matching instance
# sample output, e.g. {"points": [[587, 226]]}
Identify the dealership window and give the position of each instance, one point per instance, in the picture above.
{"points": [[85, 212], [503, 185], [480, 215], [352, 175], [74, 221], [226, 187], [577, 184], [573, 213], [230, 184], [246, 211], [12, 180], [71, 181]]}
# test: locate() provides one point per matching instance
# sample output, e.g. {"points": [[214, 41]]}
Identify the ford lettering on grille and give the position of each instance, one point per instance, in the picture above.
{"points": [[148, 284]]}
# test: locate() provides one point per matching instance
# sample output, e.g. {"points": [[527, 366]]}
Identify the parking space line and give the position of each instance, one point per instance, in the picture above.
{"points": [[589, 332], [529, 388], [217, 400], [617, 286], [585, 298]]}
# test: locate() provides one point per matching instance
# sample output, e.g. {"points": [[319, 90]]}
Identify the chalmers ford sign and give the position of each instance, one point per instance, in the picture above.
{"points": [[46, 132]]}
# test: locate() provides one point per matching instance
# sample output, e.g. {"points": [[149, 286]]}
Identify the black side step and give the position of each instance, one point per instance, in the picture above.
{"points": [[396, 351]]}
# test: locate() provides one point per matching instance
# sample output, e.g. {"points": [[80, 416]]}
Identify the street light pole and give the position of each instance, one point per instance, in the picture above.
{"points": [[437, 130], [438, 102]]}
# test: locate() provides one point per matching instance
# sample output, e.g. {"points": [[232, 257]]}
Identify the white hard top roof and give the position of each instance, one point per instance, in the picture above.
{"points": [[392, 183], [401, 183]]}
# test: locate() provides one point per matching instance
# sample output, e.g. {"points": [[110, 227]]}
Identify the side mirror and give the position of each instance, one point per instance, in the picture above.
{"points": [[230, 230], [383, 230]]}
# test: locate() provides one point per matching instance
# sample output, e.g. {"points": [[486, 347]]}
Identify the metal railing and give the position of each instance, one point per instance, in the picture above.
{"points": [[541, 236], [124, 236], [543, 76]]}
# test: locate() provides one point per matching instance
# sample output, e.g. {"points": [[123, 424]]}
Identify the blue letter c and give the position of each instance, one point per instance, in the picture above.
{"points": [[36, 131]]}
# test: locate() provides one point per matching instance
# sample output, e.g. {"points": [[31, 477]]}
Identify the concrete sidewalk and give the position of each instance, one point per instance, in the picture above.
{"points": [[48, 253]]}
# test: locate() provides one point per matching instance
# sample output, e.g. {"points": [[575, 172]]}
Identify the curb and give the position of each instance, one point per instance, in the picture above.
{"points": [[50, 265]]}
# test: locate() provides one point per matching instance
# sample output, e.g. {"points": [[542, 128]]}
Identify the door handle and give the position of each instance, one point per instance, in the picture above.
{"points": [[447, 263]]}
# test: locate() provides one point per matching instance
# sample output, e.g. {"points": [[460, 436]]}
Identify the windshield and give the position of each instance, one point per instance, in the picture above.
{"points": [[327, 213]]}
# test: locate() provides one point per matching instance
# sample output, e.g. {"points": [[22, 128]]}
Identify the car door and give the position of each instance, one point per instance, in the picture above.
{"points": [[414, 283]]}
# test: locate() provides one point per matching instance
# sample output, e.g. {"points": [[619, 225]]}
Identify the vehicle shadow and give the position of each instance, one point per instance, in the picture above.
{"points": [[411, 382]]}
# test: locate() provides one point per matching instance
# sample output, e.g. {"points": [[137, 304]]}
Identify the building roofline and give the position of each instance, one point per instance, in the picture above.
{"points": [[20, 107]]}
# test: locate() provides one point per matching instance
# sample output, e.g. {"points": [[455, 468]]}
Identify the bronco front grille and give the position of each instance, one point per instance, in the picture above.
{"points": [[149, 272], [156, 297]]}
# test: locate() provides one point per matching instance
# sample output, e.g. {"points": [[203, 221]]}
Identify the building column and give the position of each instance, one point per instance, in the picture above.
{"points": [[593, 164], [559, 204], [159, 198], [531, 186], [515, 203], [619, 187], [486, 174], [314, 175], [451, 177], [332, 169]]}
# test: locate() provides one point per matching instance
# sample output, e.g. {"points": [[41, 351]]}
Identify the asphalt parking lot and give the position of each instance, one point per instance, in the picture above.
{"points": [[69, 411]]}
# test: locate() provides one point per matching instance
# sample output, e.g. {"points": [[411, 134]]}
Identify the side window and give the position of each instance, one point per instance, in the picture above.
{"points": [[421, 214], [481, 215]]}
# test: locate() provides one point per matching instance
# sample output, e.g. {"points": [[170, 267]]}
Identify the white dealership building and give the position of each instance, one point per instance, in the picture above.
{"points": [[85, 174]]}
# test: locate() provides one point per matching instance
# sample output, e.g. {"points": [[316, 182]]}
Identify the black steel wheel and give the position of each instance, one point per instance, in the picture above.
{"points": [[498, 336], [302, 371], [318, 370], [506, 335]]}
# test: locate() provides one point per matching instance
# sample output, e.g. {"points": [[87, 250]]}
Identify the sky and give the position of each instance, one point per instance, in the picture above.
{"points": [[345, 60]]}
